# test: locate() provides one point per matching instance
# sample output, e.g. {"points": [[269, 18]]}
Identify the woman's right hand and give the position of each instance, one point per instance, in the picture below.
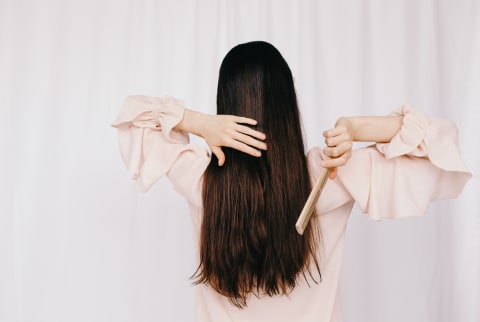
{"points": [[231, 131], [225, 131]]}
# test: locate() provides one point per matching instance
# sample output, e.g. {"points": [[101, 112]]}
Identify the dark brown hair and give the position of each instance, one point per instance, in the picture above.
{"points": [[248, 241]]}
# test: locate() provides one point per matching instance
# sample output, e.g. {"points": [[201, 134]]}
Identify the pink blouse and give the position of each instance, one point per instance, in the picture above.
{"points": [[393, 180]]}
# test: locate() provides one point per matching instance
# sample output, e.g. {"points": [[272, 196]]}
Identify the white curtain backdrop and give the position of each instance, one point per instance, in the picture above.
{"points": [[78, 243]]}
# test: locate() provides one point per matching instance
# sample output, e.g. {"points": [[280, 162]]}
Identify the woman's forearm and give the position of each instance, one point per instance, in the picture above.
{"points": [[339, 140], [379, 129], [192, 122]]}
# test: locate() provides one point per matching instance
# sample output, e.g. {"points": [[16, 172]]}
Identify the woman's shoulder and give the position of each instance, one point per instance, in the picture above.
{"points": [[314, 157]]}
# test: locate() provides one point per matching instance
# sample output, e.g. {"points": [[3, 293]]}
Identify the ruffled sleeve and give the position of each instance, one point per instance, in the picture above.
{"points": [[149, 144], [399, 179]]}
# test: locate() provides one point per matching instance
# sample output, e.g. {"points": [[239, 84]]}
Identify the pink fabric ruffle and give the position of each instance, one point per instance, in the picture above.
{"points": [[400, 178], [148, 142]]}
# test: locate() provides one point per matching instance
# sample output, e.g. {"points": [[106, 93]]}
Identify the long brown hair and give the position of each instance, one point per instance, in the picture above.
{"points": [[248, 241]]}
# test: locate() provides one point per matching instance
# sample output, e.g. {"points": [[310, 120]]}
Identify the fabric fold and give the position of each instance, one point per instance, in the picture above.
{"points": [[409, 140], [148, 142]]}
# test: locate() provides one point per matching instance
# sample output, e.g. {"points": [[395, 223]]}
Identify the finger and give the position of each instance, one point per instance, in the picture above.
{"points": [[337, 139], [332, 163], [336, 151], [251, 132], [333, 170], [250, 141], [333, 132], [244, 120], [219, 154], [336, 162], [242, 147]]}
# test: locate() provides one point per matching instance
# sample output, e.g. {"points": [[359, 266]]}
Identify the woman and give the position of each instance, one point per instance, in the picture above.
{"points": [[245, 198]]}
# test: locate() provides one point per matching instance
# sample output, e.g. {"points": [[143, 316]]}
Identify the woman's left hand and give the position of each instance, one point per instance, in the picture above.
{"points": [[224, 131], [232, 131], [339, 142]]}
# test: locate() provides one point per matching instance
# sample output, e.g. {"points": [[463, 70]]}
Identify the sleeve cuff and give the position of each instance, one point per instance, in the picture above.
{"points": [[420, 136]]}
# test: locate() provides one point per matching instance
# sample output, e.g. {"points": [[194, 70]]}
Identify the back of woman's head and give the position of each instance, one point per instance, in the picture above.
{"points": [[248, 241]]}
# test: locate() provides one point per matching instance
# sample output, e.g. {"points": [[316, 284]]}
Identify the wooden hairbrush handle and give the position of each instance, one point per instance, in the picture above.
{"points": [[309, 207]]}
